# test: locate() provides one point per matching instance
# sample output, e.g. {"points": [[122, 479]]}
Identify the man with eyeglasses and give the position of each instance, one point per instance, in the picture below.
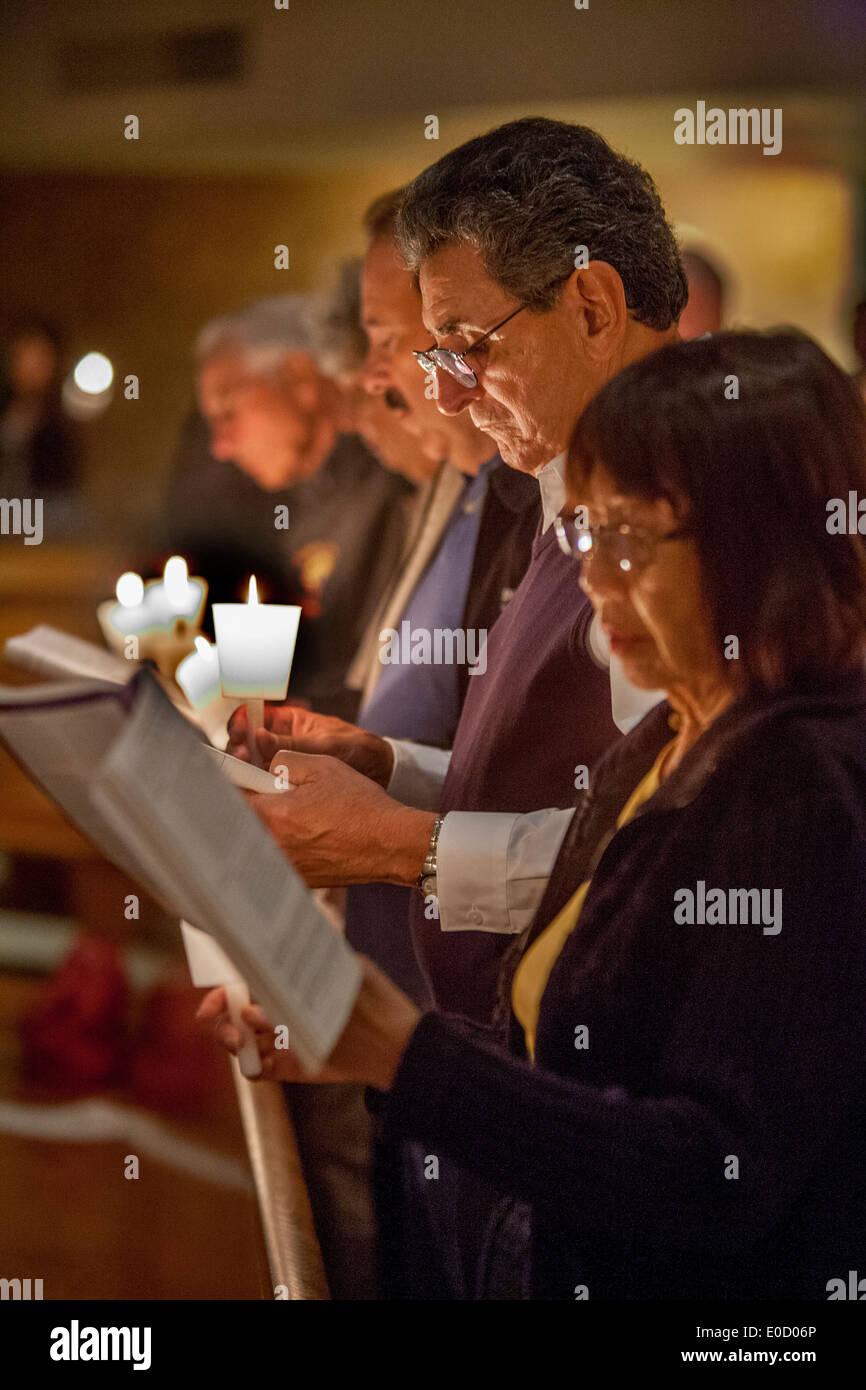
{"points": [[546, 265]]}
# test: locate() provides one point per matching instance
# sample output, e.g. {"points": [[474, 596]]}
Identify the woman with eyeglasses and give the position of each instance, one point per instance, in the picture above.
{"points": [[683, 1110]]}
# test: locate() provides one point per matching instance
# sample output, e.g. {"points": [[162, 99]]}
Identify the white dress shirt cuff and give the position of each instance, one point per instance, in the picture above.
{"points": [[493, 868], [418, 773]]}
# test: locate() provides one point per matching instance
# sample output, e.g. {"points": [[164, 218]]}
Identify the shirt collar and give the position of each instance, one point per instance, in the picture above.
{"points": [[551, 481]]}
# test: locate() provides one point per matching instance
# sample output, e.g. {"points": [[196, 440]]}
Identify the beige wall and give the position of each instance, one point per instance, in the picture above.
{"points": [[788, 240]]}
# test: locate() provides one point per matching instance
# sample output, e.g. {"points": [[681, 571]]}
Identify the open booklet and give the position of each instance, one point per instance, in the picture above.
{"points": [[136, 778], [47, 651]]}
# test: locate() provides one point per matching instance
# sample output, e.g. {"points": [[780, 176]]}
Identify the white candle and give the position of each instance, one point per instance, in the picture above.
{"points": [[129, 589], [134, 612], [256, 644], [178, 588], [209, 966], [176, 596], [198, 675]]}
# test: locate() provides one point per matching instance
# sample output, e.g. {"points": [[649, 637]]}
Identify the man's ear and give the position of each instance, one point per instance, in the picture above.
{"points": [[598, 298], [302, 377]]}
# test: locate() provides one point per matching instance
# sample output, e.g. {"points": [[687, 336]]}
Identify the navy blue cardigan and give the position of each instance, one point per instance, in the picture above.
{"points": [[710, 1140]]}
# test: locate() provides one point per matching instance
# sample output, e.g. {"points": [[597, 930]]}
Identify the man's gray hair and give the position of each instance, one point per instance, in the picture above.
{"points": [[529, 196], [341, 341], [264, 333]]}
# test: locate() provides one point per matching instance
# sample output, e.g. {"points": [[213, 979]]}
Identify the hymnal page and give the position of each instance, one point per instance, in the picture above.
{"points": [[166, 791], [132, 774], [49, 652], [60, 733]]}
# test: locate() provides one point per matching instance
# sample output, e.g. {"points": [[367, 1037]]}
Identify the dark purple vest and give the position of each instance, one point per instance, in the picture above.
{"points": [[541, 708]]}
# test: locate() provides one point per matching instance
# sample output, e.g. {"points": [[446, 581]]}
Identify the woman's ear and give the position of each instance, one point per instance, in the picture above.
{"points": [[598, 297]]}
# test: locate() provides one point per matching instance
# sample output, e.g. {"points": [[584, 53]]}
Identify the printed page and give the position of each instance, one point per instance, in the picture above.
{"points": [[49, 652], [163, 790], [61, 734]]}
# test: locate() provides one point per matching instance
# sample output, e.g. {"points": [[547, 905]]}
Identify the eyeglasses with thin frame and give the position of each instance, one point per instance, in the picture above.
{"points": [[454, 363], [630, 548]]}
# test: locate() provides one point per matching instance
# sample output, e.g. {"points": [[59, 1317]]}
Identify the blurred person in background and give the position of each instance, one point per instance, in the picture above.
{"points": [[275, 417], [342, 355], [39, 448], [705, 307]]}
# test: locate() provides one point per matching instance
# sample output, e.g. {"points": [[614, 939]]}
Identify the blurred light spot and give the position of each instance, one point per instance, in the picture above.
{"points": [[93, 374], [175, 577], [129, 589]]}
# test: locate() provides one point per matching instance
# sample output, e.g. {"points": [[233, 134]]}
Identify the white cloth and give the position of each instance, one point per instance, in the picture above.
{"points": [[418, 773], [493, 868], [551, 481]]}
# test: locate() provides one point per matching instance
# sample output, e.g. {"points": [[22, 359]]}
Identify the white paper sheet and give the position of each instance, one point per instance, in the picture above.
{"points": [[142, 786]]}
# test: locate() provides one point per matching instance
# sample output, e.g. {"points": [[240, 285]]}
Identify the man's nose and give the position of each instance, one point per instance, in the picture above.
{"points": [[377, 372], [451, 397]]}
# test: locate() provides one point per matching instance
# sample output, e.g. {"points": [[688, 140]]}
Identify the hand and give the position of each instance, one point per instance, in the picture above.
{"points": [[337, 827], [301, 731], [368, 1050]]}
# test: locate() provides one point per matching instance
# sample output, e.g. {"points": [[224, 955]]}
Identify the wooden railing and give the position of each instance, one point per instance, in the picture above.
{"points": [[294, 1256]]}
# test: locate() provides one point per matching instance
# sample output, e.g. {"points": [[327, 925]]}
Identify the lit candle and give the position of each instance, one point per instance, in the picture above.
{"points": [[176, 596], [256, 644], [132, 614], [129, 589], [198, 675], [178, 588], [162, 615]]}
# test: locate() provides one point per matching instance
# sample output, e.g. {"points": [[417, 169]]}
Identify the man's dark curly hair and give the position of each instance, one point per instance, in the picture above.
{"points": [[527, 195]]}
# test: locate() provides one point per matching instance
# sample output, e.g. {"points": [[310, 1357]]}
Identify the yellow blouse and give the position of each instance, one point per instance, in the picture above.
{"points": [[533, 972]]}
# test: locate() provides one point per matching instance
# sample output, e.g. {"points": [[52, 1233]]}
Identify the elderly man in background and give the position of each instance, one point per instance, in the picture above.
{"points": [[342, 355], [314, 506]]}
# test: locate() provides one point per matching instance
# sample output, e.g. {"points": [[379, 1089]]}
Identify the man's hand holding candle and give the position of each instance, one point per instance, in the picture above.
{"points": [[301, 731], [337, 826]]}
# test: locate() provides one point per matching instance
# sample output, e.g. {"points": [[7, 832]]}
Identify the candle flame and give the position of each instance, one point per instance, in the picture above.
{"points": [[254, 593], [129, 589], [175, 577]]}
